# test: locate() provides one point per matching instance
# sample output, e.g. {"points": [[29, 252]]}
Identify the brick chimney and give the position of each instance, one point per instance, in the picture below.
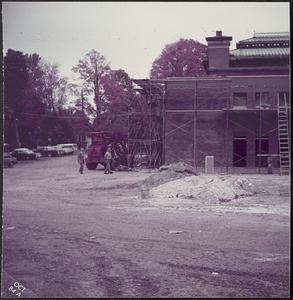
{"points": [[218, 51]]}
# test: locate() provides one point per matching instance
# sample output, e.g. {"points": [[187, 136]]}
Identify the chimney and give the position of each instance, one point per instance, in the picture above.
{"points": [[218, 51]]}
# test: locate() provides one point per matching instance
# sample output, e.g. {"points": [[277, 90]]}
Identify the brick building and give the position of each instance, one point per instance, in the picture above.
{"points": [[239, 114]]}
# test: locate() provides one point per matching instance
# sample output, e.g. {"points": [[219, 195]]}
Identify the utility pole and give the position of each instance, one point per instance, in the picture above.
{"points": [[17, 132]]}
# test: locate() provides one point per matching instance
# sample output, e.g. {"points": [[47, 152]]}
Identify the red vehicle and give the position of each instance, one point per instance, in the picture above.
{"points": [[96, 146]]}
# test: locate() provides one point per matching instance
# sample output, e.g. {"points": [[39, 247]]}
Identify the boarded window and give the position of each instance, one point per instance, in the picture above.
{"points": [[261, 151], [262, 100], [240, 99]]}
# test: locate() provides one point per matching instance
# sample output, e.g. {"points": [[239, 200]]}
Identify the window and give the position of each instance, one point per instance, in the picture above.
{"points": [[284, 99], [262, 100], [240, 100]]}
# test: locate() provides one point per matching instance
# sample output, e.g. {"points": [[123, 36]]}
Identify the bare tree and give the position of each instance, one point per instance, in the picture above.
{"points": [[91, 69]]}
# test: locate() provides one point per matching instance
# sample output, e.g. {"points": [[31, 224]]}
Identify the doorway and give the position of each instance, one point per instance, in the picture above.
{"points": [[239, 151], [262, 148]]}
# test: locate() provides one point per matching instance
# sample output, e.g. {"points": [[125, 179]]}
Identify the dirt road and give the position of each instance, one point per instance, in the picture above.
{"points": [[92, 235]]}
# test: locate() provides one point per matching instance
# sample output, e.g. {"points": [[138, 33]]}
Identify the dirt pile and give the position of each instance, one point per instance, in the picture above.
{"points": [[168, 173], [207, 188], [179, 167]]}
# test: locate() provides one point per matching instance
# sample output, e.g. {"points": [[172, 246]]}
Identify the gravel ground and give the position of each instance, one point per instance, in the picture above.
{"points": [[97, 235]]}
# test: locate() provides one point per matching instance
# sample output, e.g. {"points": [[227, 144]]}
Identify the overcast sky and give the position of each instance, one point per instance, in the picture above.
{"points": [[129, 34]]}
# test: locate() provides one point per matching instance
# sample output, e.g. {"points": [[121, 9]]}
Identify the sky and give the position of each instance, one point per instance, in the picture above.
{"points": [[131, 35]]}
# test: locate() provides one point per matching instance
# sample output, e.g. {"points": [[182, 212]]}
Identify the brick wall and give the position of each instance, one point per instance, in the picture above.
{"points": [[198, 126]]}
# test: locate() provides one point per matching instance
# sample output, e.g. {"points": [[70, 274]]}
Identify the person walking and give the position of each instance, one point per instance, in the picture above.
{"points": [[108, 158], [80, 160]]}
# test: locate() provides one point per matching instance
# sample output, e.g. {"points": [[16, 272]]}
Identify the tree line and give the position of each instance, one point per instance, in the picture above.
{"points": [[42, 107]]}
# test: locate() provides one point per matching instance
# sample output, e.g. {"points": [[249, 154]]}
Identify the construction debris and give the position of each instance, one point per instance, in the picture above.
{"points": [[179, 167], [168, 173], [209, 189], [123, 168]]}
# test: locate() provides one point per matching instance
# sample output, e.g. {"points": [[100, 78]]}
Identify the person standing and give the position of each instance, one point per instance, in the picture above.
{"points": [[108, 158], [115, 157], [80, 160]]}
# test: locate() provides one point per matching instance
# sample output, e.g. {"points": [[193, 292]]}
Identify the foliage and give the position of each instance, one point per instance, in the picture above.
{"points": [[82, 101], [110, 90], [116, 99], [16, 83], [16, 79], [91, 69], [34, 99], [182, 58]]}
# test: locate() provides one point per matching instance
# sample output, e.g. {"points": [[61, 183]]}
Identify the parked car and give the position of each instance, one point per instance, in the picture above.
{"points": [[74, 146], [23, 154], [8, 160], [49, 151], [68, 148], [60, 150], [38, 153]]}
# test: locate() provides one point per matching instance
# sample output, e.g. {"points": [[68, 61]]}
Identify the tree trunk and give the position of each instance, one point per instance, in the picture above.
{"points": [[18, 144], [97, 96]]}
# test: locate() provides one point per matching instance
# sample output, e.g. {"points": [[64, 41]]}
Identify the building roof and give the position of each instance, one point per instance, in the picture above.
{"points": [[263, 44], [260, 52], [267, 37]]}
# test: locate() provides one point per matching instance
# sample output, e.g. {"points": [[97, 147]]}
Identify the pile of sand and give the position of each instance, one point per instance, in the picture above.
{"points": [[168, 173], [209, 189]]}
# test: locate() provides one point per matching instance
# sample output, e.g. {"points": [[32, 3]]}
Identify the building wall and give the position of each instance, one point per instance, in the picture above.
{"points": [[197, 124], [192, 127], [260, 62], [242, 71], [253, 84], [253, 124], [179, 137], [211, 137], [218, 54]]}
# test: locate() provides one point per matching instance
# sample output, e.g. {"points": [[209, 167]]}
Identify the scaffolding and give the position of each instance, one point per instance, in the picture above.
{"points": [[271, 118], [160, 133], [145, 125], [188, 123]]}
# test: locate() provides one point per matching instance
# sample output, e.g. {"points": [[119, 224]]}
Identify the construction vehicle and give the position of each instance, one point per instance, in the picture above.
{"points": [[96, 147]]}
